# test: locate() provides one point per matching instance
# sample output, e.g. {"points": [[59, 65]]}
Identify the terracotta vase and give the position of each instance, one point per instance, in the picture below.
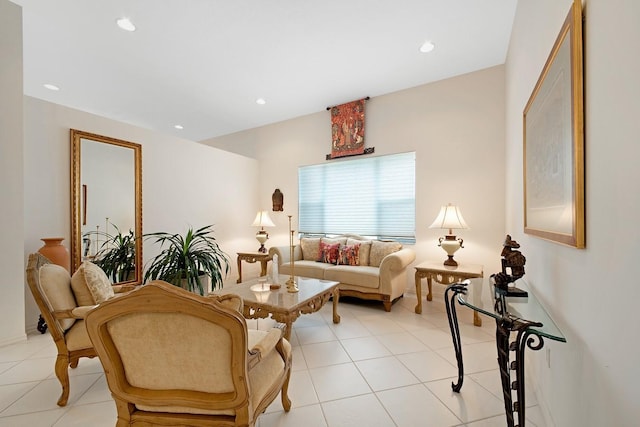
{"points": [[55, 251]]}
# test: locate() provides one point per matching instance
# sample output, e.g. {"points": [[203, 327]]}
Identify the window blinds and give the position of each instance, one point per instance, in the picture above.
{"points": [[373, 197]]}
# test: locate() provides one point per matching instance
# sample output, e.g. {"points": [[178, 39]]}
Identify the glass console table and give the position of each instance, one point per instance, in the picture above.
{"points": [[523, 316]]}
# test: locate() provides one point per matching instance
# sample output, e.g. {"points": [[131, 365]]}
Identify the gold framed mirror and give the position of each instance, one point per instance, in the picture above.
{"points": [[106, 205]]}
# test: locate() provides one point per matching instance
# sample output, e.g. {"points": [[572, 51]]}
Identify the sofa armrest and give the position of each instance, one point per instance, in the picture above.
{"points": [[284, 253], [393, 272], [398, 260]]}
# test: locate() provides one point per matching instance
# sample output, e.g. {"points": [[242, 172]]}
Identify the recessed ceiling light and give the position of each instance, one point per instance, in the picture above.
{"points": [[179, 127], [261, 101], [51, 87], [126, 24], [427, 46]]}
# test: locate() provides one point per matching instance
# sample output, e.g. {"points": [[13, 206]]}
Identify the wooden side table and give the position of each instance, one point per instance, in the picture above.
{"points": [[445, 275], [252, 257]]}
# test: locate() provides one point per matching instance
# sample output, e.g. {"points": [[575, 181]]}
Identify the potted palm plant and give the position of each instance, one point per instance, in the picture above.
{"points": [[117, 254], [186, 260]]}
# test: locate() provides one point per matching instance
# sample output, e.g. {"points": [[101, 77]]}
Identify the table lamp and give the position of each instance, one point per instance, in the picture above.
{"points": [[449, 218], [262, 220]]}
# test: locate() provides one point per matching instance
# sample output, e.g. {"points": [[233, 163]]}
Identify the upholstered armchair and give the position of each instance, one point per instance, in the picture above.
{"points": [[64, 310], [175, 358]]}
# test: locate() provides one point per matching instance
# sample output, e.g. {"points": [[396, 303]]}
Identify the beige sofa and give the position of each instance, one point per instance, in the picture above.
{"points": [[366, 269]]}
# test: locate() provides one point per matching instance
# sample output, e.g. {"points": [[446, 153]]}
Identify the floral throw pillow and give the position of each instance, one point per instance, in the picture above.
{"points": [[329, 252], [349, 255]]}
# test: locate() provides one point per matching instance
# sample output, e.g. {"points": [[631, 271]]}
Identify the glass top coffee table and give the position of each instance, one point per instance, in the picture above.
{"points": [[284, 307]]}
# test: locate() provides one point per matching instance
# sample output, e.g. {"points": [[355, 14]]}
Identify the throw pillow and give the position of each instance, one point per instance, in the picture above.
{"points": [[340, 240], [310, 248], [379, 250], [365, 249], [349, 255], [329, 252], [91, 285]]}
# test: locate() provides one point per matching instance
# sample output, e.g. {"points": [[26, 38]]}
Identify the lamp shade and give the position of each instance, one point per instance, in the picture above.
{"points": [[263, 220], [449, 217]]}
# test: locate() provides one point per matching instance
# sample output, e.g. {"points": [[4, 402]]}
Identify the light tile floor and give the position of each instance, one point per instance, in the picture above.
{"points": [[372, 369]]}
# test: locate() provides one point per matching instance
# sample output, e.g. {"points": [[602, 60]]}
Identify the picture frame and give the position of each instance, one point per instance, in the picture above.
{"points": [[553, 142]]}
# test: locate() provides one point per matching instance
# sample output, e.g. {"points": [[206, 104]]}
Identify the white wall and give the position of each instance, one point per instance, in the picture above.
{"points": [[11, 171], [456, 128], [183, 183], [592, 293]]}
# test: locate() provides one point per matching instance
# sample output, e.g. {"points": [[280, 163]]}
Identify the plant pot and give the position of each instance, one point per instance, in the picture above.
{"points": [[206, 284]]}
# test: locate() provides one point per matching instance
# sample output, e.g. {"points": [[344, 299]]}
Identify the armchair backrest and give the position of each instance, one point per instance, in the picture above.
{"points": [[50, 285], [162, 346]]}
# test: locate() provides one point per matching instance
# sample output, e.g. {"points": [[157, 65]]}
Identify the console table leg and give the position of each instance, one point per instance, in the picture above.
{"points": [[503, 331], [524, 338], [456, 288]]}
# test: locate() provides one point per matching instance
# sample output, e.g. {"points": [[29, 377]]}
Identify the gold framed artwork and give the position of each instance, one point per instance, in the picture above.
{"points": [[554, 205]]}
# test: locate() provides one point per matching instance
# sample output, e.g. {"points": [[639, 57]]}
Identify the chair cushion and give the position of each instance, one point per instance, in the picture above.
{"points": [[91, 285], [380, 249], [77, 337], [55, 284]]}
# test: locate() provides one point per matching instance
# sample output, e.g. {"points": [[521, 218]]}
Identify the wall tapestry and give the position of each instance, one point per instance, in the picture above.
{"points": [[347, 130]]}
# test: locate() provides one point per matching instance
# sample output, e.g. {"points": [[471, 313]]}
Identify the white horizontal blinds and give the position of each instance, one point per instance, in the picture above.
{"points": [[372, 197]]}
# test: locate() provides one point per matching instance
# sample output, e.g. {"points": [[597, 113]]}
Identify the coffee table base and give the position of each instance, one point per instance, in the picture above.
{"points": [[287, 317]]}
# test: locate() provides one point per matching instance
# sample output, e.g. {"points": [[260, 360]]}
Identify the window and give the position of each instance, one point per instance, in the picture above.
{"points": [[372, 197]]}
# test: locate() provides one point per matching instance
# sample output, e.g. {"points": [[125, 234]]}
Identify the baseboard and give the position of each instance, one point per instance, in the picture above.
{"points": [[13, 340]]}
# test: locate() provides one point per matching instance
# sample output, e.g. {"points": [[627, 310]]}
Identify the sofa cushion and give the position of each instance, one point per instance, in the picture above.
{"points": [[367, 277], [349, 254], [380, 249], [55, 284], [311, 269], [310, 248], [91, 285], [329, 252], [364, 251]]}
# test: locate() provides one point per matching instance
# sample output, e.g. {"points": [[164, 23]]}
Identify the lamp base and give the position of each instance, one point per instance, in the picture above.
{"points": [[450, 261], [450, 244], [262, 236]]}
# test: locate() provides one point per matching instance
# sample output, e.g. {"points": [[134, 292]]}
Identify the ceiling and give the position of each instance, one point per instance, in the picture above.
{"points": [[203, 63]]}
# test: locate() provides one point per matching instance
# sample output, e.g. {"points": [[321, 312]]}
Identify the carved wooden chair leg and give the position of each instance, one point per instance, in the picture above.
{"points": [[286, 402], [124, 410], [73, 362], [62, 373]]}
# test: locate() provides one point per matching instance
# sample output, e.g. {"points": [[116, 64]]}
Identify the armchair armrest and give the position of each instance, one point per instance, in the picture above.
{"points": [[264, 346], [74, 313]]}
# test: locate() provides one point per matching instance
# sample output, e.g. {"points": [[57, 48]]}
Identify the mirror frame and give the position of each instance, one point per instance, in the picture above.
{"points": [[76, 197]]}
